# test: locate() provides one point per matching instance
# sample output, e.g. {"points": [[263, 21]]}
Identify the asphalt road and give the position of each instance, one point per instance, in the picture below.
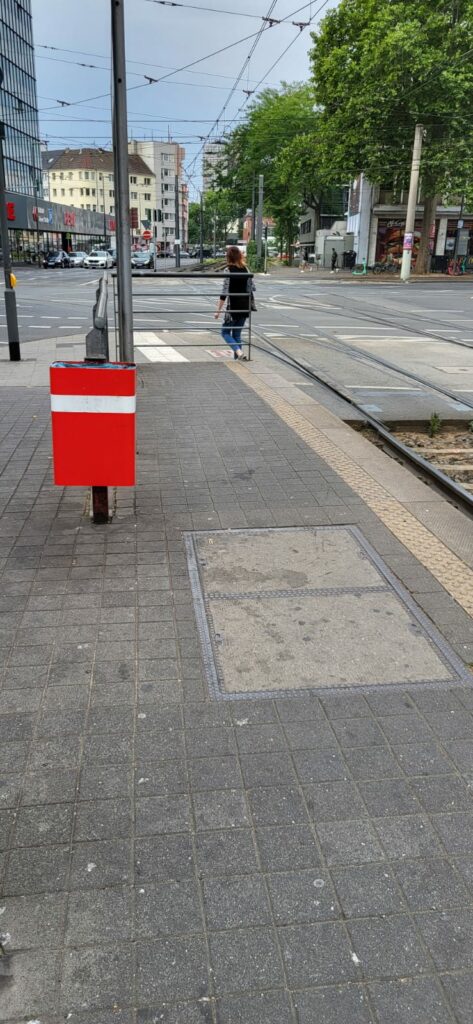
{"points": [[55, 302], [332, 323]]}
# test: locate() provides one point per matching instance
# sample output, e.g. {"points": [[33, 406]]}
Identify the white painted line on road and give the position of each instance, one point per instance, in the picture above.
{"points": [[67, 327], [41, 327], [73, 318], [162, 355], [378, 387], [48, 317]]}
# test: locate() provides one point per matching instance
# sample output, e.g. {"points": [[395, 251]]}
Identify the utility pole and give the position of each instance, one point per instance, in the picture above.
{"points": [[215, 234], [10, 297], [253, 210], [120, 158], [201, 228], [411, 205], [259, 221], [177, 236]]}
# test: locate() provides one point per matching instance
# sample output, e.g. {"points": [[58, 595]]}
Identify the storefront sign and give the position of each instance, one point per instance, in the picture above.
{"points": [[10, 211], [70, 218], [26, 214]]}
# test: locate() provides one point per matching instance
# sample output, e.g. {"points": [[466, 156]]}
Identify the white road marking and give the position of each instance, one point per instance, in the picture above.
{"points": [[73, 318], [377, 387], [41, 327], [48, 317], [162, 355]]}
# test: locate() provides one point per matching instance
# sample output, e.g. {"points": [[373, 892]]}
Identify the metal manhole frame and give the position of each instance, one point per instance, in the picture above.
{"points": [[210, 656]]}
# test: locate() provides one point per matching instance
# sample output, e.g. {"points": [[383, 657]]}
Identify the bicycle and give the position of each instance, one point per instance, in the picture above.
{"points": [[385, 268], [457, 266]]}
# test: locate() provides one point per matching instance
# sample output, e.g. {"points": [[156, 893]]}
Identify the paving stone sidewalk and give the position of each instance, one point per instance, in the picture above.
{"points": [[165, 857]]}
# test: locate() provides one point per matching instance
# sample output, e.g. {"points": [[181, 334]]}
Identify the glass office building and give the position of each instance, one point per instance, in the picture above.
{"points": [[18, 100]]}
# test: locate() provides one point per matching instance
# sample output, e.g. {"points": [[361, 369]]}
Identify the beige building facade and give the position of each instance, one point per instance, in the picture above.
{"points": [[84, 178]]}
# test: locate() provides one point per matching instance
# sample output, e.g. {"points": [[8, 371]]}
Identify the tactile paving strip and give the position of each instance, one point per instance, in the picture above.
{"points": [[443, 564]]}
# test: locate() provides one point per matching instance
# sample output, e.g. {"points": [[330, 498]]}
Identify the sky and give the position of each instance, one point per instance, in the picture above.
{"points": [[188, 106]]}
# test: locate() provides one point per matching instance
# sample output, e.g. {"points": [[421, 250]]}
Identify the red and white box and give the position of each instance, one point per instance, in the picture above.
{"points": [[93, 411]]}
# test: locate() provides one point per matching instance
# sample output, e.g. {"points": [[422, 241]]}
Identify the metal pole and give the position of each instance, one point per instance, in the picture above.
{"points": [[215, 235], [177, 237], [412, 204], [459, 226], [259, 222], [201, 255], [253, 211], [266, 248], [120, 159], [10, 297]]}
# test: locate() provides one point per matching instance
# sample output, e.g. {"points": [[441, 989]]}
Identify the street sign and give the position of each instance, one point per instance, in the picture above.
{"points": [[146, 235]]}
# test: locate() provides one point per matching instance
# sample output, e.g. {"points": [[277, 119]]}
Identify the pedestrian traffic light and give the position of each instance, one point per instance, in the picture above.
{"points": [[12, 280]]}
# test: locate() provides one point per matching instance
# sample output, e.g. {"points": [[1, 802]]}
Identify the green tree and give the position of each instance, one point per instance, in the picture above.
{"points": [[381, 66], [255, 147], [194, 223]]}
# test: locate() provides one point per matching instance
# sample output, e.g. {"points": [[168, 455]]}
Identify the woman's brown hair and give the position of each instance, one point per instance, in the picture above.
{"points": [[235, 257]]}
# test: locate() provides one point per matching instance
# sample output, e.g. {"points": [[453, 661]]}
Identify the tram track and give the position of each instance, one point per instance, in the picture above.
{"points": [[428, 470]]}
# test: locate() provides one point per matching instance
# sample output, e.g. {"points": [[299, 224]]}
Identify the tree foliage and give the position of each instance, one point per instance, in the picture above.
{"points": [[274, 120], [381, 66]]}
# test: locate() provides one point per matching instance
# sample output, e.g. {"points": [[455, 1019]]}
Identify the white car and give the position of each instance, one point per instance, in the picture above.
{"points": [[77, 258], [99, 259]]}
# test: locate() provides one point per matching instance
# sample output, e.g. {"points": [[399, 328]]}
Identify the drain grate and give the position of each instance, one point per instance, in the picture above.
{"points": [[282, 611]]}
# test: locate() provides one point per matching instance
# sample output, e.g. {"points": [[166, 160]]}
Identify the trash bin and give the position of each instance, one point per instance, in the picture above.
{"points": [[93, 411]]}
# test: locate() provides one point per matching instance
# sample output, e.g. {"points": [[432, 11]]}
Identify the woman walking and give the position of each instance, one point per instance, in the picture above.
{"points": [[237, 293]]}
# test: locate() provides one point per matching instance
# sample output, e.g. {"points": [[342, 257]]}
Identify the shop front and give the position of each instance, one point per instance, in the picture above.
{"points": [[36, 226]]}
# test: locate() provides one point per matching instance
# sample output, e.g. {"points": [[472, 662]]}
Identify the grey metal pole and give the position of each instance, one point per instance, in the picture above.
{"points": [[459, 226], [259, 221], [10, 297], [201, 254], [120, 159], [177, 236], [253, 210], [412, 204]]}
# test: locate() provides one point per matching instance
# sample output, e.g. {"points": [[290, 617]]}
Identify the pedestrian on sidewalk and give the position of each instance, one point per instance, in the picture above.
{"points": [[237, 297], [334, 261]]}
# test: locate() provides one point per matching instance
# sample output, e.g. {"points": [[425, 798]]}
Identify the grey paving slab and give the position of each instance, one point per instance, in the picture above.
{"points": [[306, 858]]}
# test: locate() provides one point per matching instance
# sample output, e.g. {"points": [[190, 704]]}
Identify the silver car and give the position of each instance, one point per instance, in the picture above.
{"points": [[77, 258]]}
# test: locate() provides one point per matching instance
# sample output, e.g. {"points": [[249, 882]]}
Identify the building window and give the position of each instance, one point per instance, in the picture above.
{"points": [[53, 176], [54, 191], [133, 180], [87, 191], [86, 175], [110, 177], [87, 206], [71, 191], [63, 191], [93, 191], [92, 175], [80, 175], [70, 175], [112, 209], [111, 193], [134, 195], [147, 197], [146, 181]]}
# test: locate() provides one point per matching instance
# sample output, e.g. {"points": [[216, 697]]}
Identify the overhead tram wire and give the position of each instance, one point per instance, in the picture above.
{"points": [[185, 67], [240, 110], [245, 65]]}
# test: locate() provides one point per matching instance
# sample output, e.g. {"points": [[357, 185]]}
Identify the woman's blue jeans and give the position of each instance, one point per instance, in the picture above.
{"points": [[232, 335]]}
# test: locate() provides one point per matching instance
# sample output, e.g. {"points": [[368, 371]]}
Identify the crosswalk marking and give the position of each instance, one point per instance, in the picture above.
{"points": [[156, 351]]}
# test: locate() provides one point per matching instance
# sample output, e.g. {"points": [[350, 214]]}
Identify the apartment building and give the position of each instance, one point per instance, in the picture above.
{"points": [[166, 161], [84, 178]]}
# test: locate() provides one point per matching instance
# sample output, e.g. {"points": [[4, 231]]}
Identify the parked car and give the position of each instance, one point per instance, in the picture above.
{"points": [[98, 259], [56, 258], [142, 260], [76, 259], [185, 255]]}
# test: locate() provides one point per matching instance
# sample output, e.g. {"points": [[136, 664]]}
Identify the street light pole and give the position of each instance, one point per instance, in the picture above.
{"points": [[177, 234], [408, 244], [201, 226], [10, 297], [259, 221], [120, 158]]}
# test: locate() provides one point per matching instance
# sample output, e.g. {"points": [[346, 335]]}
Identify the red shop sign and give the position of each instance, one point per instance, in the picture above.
{"points": [[69, 218], [10, 211]]}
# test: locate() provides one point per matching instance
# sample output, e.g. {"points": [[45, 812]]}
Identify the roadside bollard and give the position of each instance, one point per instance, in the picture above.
{"points": [[93, 426]]}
